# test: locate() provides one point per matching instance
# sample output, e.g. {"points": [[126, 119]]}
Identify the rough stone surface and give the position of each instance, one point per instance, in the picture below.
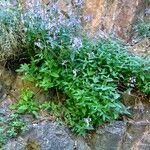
{"points": [[114, 16], [81, 144], [43, 136], [147, 11], [109, 137], [142, 47], [7, 78]]}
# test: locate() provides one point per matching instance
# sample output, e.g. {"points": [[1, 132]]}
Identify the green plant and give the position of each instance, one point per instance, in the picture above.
{"points": [[26, 104], [143, 29], [92, 81], [91, 74], [2, 137], [54, 108], [10, 128], [46, 106], [45, 75], [15, 125], [11, 31]]}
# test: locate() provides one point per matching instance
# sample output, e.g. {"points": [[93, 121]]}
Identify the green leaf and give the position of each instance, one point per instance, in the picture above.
{"points": [[22, 109], [54, 74]]}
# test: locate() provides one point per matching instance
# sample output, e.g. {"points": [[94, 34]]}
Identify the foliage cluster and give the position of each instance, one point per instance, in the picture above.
{"points": [[23, 32], [10, 128], [11, 31], [90, 73], [92, 81], [143, 29], [26, 103]]}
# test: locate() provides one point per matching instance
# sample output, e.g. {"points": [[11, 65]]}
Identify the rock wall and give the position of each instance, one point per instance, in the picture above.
{"points": [[114, 16]]}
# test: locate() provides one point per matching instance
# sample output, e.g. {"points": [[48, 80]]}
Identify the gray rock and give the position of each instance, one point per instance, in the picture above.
{"points": [[110, 137], [81, 144], [43, 136], [4, 106]]}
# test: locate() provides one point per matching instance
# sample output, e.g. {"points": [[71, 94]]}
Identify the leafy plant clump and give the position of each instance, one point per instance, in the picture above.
{"points": [[26, 103], [143, 29], [92, 81], [26, 32], [91, 73], [11, 31], [10, 128]]}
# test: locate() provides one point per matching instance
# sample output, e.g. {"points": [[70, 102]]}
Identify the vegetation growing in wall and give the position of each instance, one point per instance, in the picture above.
{"points": [[10, 127], [11, 31], [92, 82], [26, 103], [92, 74], [143, 29]]}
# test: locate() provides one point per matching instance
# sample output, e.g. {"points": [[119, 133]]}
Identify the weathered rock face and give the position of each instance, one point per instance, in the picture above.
{"points": [[142, 47], [109, 137], [7, 77], [114, 136], [114, 16], [43, 136]]}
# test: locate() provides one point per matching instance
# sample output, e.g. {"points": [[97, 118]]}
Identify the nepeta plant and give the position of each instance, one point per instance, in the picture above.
{"points": [[92, 74], [91, 81]]}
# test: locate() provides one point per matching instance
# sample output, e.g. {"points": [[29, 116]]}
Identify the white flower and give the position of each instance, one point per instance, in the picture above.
{"points": [[87, 18], [39, 45], [132, 81], [91, 55], [64, 62], [75, 72], [77, 43], [87, 121]]}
